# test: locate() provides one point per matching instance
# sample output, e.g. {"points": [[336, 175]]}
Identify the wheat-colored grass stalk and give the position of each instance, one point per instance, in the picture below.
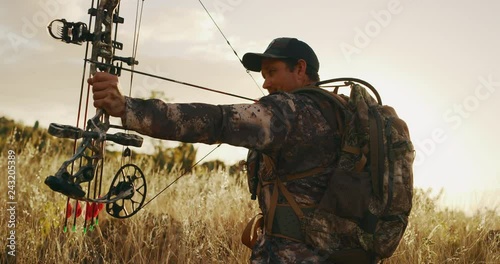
{"points": [[200, 220]]}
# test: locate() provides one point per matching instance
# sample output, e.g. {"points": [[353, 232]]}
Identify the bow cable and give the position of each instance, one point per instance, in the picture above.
{"points": [[126, 153], [182, 175], [135, 44]]}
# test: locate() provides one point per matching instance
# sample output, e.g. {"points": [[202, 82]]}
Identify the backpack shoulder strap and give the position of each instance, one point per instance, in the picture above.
{"points": [[328, 103]]}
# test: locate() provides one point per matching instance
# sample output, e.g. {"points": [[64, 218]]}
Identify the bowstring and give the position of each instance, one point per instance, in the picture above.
{"points": [[137, 27], [231, 46], [204, 88]]}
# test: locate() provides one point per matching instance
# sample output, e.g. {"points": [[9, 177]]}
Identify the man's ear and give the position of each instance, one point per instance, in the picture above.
{"points": [[301, 66]]}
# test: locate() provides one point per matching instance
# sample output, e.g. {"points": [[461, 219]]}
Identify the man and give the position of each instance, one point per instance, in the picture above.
{"points": [[295, 147]]}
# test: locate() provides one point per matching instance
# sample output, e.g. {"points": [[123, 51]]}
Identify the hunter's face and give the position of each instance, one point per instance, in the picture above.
{"points": [[278, 77]]}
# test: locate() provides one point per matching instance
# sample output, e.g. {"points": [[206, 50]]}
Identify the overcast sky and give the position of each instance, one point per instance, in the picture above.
{"points": [[436, 62]]}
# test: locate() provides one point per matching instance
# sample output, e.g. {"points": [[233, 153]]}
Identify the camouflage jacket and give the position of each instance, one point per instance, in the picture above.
{"points": [[289, 128]]}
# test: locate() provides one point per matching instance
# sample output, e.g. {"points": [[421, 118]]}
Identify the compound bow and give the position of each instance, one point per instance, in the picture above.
{"points": [[128, 188], [127, 192]]}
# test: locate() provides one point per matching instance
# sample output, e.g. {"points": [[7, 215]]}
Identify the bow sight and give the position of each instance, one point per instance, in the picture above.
{"points": [[69, 32], [78, 32]]}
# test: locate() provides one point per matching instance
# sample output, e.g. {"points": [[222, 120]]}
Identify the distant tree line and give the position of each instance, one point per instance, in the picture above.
{"points": [[22, 138]]}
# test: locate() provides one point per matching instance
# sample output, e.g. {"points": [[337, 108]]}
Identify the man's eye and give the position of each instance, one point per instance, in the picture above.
{"points": [[268, 73]]}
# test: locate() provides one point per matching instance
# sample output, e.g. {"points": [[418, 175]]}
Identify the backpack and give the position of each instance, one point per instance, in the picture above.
{"points": [[369, 196]]}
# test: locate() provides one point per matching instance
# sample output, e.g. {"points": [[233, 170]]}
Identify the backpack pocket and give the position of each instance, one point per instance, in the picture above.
{"points": [[348, 194]]}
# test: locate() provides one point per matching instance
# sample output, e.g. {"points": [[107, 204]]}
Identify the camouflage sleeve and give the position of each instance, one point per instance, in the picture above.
{"points": [[263, 125], [182, 122]]}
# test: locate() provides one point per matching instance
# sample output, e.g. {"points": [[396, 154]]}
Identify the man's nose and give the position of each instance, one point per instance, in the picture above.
{"points": [[267, 84]]}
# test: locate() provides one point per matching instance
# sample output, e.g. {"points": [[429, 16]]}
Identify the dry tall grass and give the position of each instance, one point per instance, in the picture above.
{"points": [[199, 220]]}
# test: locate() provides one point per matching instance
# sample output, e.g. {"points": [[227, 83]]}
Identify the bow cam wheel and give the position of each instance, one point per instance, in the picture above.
{"points": [[129, 189]]}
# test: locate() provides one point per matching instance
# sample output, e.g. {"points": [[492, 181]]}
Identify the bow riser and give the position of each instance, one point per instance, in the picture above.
{"points": [[102, 44]]}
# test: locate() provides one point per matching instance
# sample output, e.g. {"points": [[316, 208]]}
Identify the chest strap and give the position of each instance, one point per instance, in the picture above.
{"points": [[284, 220]]}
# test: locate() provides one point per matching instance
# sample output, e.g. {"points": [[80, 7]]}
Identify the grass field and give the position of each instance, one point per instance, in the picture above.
{"points": [[198, 220]]}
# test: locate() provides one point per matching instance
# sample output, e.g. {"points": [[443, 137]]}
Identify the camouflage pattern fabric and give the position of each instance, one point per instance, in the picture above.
{"points": [[280, 250], [287, 128]]}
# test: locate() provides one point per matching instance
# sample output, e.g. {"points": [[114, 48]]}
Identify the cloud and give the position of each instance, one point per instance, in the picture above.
{"points": [[179, 25], [24, 26], [188, 32]]}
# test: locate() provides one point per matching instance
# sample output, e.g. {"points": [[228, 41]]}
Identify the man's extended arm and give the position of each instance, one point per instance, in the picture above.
{"points": [[256, 126]]}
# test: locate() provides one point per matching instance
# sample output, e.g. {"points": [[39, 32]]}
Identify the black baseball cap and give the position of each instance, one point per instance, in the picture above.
{"points": [[282, 48]]}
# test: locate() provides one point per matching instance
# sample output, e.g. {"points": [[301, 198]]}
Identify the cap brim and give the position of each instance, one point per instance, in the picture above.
{"points": [[253, 61]]}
